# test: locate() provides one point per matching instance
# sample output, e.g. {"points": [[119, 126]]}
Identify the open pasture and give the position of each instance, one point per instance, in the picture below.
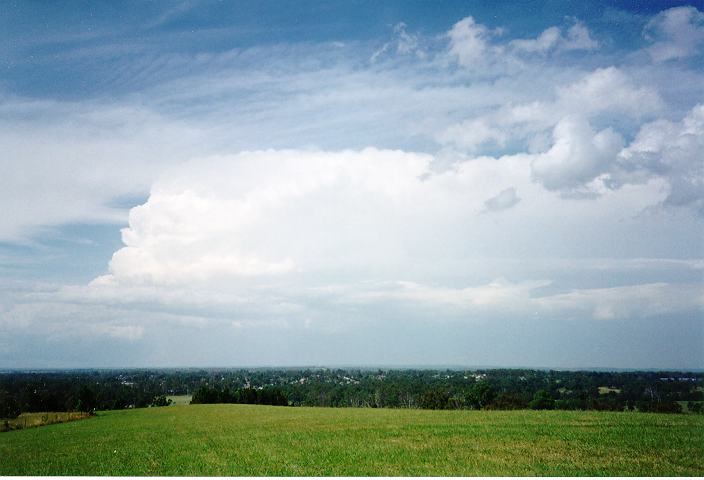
{"points": [[261, 440], [180, 399]]}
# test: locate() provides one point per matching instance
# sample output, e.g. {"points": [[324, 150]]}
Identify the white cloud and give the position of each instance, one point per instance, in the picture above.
{"points": [[677, 33], [579, 38], [473, 133], [123, 332], [608, 90], [501, 297], [56, 318], [501, 201], [282, 212], [278, 213], [578, 155], [581, 160], [262, 236], [114, 312], [654, 299], [66, 162], [470, 42], [547, 40], [672, 150], [631, 264], [498, 296], [602, 92], [239, 215], [404, 43], [79, 157], [552, 39]]}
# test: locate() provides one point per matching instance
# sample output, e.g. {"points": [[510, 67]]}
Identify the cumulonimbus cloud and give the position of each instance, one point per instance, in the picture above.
{"points": [[271, 233]]}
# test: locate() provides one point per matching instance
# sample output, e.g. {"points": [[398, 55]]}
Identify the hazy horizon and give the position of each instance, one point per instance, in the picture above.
{"points": [[354, 367]]}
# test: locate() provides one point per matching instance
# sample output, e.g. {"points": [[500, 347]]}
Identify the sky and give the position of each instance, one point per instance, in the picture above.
{"points": [[205, 183]]}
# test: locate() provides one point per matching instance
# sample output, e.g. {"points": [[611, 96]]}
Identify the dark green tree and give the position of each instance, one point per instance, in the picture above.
{"points": [[86, 399], [542, 401], [161, 401], [481, 395]]}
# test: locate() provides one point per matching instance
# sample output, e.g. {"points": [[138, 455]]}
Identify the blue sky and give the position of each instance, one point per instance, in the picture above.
{"points": [[270, 183]]}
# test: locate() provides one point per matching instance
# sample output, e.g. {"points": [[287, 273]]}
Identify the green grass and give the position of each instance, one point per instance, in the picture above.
{"points": [[606, 390], [257, 440]]}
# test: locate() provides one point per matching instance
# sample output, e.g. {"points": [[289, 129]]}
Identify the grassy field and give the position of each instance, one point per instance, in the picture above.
{"points": [[258, 440], [605, 390], [180, 399]]}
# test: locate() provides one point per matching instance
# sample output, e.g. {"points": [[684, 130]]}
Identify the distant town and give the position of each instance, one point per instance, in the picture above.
{"points": [[500, 389]]}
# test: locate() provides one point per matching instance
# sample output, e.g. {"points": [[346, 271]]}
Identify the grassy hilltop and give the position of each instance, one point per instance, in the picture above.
{"points": [[261, 440]]}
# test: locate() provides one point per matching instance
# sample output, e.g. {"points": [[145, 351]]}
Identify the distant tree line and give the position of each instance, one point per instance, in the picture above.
{"points": [[499, 389], [77, 391], [252, 396]]}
